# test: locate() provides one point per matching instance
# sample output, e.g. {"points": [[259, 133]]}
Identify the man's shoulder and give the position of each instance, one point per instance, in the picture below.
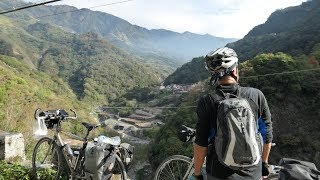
{"points": [[250, 91]]}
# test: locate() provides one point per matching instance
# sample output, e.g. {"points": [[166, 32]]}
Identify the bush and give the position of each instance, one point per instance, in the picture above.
{"points": [[17, 171]]}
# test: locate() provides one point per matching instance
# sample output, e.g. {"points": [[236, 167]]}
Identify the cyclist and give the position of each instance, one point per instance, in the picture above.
{"points": [[223, 65]]}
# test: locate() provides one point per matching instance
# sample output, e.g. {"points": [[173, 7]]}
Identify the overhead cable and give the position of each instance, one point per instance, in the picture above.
{"points": [[287, 72], [29, 6], [64, 12], [176, 107], [143, 107]]}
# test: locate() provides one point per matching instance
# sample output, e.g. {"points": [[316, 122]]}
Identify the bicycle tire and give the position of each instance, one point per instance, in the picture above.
{"points": [[46, 160], [118, 172], [175, 167]]}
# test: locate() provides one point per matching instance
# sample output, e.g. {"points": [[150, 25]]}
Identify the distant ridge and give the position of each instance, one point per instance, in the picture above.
{"points": [[162, 46]]}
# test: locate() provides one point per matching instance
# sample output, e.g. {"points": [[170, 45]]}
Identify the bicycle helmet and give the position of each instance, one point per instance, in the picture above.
{"points": [[221, 62]]}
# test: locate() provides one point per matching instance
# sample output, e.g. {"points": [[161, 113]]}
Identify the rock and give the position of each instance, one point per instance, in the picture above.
{"points": [[12, 147]]}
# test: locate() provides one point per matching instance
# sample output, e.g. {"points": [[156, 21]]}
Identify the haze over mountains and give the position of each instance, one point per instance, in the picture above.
{"points": [[160, 46], [293, 30]]}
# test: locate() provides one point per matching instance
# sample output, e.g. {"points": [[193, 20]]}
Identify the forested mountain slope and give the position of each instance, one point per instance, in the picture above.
{"points": [[96, 70], [189, 73], [23, 90], [293, 30]]}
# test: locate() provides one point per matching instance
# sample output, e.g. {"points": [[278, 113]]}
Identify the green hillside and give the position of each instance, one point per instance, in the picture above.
{"points": [[189, 73], [23, 89], [95, 70]]}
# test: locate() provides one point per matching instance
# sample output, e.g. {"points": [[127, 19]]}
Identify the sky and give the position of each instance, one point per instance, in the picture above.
{"points": [[222, 18]]}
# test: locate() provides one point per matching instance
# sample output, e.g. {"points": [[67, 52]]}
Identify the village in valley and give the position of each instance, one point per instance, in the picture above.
{"points": [[145, 117]]}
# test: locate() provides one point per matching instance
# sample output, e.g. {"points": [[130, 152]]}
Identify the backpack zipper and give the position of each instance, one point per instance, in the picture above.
{"points": [[243, 133]]}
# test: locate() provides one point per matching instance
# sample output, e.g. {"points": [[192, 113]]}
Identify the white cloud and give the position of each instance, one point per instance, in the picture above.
{"points": [[224, 18]]}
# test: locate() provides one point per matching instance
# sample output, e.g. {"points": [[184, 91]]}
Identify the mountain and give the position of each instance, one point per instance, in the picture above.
{"points": [[293, 30], [292, 37], [157, 46], [95, 70], [189, 73]]}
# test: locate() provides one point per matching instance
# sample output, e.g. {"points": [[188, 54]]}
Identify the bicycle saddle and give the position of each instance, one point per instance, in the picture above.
{"points": [[89, 126]]}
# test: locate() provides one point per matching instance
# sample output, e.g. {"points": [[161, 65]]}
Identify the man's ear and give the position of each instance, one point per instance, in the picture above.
{"points": [[235, 74]]}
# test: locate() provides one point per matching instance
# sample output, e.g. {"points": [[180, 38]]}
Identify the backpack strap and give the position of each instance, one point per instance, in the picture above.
{"points": [[215, 98]]}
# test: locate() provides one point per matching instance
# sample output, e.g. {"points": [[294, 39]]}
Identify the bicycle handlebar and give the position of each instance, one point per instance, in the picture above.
{"points": [[36, 115], [59, 113], [74, 117]]}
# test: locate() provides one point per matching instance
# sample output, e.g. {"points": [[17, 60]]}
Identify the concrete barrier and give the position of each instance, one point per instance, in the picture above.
{"points": [[12, 147]]}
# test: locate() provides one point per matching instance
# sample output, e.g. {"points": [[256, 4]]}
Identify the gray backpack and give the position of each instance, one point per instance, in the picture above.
{"points": [[238, 144]]}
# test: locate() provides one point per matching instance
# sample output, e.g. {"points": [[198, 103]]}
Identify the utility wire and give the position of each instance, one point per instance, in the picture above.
{"points": [[30, 6], [159, 107], [24, 5], [175, 107], [272, 74], [118, 2]]}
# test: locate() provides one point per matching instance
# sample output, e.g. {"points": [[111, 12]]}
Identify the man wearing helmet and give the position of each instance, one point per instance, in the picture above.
{"points": [[223, 65]]}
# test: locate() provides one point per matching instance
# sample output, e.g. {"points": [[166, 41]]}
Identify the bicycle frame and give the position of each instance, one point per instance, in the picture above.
{"points": [[72, 163], [74, 158]]}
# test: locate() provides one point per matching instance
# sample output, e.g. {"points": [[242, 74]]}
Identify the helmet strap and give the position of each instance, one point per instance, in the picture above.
{"points": [[214, 79], [229, 71]]}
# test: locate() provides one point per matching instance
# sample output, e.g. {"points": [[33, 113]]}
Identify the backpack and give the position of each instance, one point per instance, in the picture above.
{"points": [[237, 143]]}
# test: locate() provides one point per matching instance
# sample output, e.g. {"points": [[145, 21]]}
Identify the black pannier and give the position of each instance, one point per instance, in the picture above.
{"points": [[294, 169]]}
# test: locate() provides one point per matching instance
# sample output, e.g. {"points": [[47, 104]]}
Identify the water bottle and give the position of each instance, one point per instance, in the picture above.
{"points": [[68, 150]]}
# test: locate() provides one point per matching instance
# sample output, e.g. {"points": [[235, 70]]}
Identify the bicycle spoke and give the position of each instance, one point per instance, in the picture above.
{"points": [[45, 159], [49, 151], [175, 167]]}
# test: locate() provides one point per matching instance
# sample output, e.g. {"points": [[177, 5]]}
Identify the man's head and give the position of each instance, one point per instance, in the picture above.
{"points": [[223, 65]]}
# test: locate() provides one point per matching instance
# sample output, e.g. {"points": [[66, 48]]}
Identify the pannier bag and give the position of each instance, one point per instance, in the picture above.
{"points": [[294, 169], [126, 153], [97, 156]]}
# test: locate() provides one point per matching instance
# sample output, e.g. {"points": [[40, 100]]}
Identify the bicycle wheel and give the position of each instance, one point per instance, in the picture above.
{"points": [[118, 172], [46, 160], [176, 167]]}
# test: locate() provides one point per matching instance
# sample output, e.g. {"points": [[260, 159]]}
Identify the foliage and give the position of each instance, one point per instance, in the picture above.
{"points": [[23, 89], [189, 73], [293, 97], [166, 142], [14, 171], [17, 171]]}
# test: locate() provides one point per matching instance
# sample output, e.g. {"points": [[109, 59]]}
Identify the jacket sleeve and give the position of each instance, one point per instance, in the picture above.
{"points": [[265, 116], [202, 127]]}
